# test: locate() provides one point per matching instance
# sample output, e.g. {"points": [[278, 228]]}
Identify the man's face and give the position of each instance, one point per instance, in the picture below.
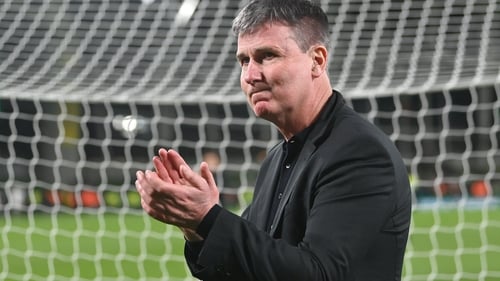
{"points": [[275, 72]]}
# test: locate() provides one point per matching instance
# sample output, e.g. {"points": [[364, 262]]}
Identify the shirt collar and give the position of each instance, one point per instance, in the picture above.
{"points": [[302, 135]]}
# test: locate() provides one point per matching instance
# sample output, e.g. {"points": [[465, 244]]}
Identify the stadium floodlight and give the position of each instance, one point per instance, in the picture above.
{"points": [[186, 11], [129, 125]]}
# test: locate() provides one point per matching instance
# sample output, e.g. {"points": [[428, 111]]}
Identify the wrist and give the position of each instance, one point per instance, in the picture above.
{"points": [[208, 221], [191, 235]]}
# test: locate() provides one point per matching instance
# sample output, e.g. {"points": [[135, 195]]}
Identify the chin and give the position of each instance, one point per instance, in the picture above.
{"points": [[264, 114], [259, 110]]}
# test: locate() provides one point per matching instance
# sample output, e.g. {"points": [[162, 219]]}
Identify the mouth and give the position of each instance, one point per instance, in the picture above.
{"points": [[257, 91], [257, 96]]}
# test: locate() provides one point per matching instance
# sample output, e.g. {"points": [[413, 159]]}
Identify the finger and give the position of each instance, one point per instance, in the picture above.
{"points": [[161, 169], [207, 175], [139, 177], [172, 167], [159, 187], [142, 183], [192, 178], [175, 159], [162, 153], [139, 174], [139, 185], [209, 178]]}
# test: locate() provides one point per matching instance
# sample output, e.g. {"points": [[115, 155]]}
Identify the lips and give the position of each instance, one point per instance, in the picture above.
{"points": [[258, 90], [258, 95]]}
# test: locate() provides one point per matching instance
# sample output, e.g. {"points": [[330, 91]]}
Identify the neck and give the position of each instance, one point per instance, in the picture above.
{"points": [[306, 115]]}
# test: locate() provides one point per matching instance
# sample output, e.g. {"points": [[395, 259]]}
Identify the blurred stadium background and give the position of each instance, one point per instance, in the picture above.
{"points": [[89, 90]]}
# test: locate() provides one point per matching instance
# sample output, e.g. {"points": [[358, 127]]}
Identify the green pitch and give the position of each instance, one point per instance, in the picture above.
{"points": [[131, 246], [454, 244], [89, 247]]}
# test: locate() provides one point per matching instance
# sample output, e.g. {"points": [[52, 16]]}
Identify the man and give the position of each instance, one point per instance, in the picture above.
{"points": [[331, 202]]}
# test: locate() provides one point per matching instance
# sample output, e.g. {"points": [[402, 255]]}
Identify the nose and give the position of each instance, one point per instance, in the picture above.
{"points": [[252, 72]]}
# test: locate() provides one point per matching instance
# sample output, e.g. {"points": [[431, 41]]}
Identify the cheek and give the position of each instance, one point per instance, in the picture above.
{"points": [[287, 76], [243, 85]]}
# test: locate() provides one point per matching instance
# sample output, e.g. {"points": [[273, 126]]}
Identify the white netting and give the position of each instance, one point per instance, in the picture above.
{"points": [[90, 89]]}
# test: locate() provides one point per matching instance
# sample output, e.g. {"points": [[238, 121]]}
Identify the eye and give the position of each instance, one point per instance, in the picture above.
{"points": [[268, 55], [243, 60]]}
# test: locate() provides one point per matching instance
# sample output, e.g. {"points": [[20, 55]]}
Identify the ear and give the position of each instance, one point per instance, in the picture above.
{"points": [[319, 56]]}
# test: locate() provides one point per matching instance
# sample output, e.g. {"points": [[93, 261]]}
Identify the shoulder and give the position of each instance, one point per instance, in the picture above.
{"points": [[354, 139], [349, 128]]}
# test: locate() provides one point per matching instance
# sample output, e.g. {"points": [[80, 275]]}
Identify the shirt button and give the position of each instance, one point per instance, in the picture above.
{"points": [[288, 166], [280, 195]]}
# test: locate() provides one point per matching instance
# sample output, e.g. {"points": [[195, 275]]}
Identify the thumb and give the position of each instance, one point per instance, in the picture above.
{"points": [[207, 175]]}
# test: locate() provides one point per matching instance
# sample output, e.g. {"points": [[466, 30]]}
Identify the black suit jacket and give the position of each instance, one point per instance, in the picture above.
{"points": [[345, 213]]}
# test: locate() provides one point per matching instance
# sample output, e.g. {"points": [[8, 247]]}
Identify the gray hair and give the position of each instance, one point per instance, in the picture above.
{"points": [[307, 20]]}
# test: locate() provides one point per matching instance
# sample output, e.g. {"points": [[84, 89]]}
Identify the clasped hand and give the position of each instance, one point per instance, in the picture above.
{"points": [[175, 194]]}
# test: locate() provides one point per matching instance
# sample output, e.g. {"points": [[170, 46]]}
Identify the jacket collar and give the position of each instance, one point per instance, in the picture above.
{"points": [[319, 132]]}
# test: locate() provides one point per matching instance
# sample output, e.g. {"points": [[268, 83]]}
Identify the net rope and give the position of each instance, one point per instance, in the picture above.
{"points": [[118, 49], [89, 90]]}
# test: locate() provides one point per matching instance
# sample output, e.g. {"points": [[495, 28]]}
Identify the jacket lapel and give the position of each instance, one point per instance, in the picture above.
{"points": [[291, 185], [261, 203], [321, 130]]}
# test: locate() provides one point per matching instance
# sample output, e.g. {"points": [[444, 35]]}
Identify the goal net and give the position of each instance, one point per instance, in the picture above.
{"points": [[90, 90]]}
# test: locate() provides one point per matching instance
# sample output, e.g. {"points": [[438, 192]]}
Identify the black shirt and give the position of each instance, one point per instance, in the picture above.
{"points": [[291, 151]]}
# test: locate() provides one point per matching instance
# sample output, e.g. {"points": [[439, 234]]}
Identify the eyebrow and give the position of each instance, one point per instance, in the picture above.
{"points": [[240, 56], [259, 50]]}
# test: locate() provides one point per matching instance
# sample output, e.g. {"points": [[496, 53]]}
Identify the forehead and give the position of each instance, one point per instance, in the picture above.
{"points": [[275, 35]]}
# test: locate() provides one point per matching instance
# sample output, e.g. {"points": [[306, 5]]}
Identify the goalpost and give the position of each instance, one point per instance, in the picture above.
{"points": [[90, 90]]}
